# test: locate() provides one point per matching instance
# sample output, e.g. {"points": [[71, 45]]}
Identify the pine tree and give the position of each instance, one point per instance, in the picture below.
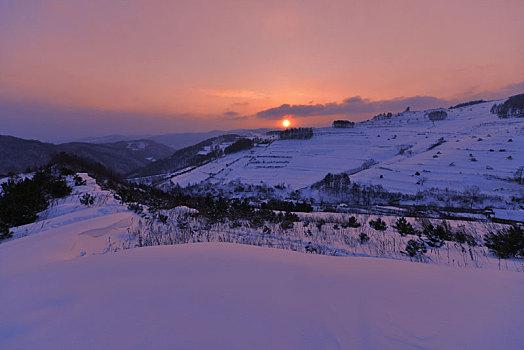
{"points": [[507, 243], [415, 248], [404, 227], [363, 238]]}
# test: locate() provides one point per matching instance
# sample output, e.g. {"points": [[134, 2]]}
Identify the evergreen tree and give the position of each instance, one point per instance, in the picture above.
{"points": [[506, 243], [404, 227], [363, 238], [378, 224], [415, 248]]}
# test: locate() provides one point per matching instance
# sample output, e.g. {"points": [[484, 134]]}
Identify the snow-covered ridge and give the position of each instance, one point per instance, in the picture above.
{"points": [[68, 229]]}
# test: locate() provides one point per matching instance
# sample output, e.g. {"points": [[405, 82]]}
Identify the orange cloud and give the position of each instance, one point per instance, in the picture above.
{"points": [[229, 93]]}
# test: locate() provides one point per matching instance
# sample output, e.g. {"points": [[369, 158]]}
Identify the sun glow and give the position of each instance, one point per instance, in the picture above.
{"points": [[286, 123]]}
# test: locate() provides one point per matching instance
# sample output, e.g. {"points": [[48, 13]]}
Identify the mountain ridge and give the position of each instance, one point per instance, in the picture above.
{"points": [[17, 154]]}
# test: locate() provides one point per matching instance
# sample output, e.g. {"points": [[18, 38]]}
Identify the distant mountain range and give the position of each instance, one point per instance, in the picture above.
{"points": [[190, 156], [176, 140], [16, 154]]}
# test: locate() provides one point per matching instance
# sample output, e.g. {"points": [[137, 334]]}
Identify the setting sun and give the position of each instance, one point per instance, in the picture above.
{"points": [[286, 123]]}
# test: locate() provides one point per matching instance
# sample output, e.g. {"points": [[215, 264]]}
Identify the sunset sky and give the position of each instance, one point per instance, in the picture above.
{"points": [[91, 68]]}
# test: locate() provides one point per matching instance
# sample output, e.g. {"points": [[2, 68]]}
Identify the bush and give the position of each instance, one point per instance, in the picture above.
{"points": [[506, 243], [79, 181], [363, 238], [433, 239], [463, 237], [435, 236], [135, 207], [352, 222], [4, 232], [436, 144], [310, 248], [378, 224], [87, 199], [404, 227], [286, 225], [415, 248]]}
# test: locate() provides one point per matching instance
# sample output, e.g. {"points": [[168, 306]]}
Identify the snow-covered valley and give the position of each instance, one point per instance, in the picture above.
{"points": [[471, 150]]}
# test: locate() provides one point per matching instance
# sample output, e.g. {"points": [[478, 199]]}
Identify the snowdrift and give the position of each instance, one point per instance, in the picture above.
{"points": [[226, 296]]}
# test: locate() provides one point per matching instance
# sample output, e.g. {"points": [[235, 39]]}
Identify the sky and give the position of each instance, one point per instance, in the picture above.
{"points": [[71, 69]]}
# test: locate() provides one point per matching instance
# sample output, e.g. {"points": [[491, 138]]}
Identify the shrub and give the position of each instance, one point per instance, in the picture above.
{"points": [[310, 248], [378, 224], [404, 227], [4, 232], [235, 224], [87, 199], [436, 144], [462, 237], [506, 243], [291, 217], [162, 218], [435, 236], [434, 240], [286, 225], [79, 181], [352, 222], [135, 207], [363, 238], [415, 248]]}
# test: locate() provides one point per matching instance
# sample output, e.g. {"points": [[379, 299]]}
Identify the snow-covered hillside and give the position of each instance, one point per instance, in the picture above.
{"points": [[68, 229], [406, 153], [66, 282], [224, 296]]}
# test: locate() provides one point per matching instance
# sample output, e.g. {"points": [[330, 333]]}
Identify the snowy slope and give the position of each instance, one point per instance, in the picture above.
{"points": [[220, 296], [64, 284], [475, 153], [68, 229]]}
